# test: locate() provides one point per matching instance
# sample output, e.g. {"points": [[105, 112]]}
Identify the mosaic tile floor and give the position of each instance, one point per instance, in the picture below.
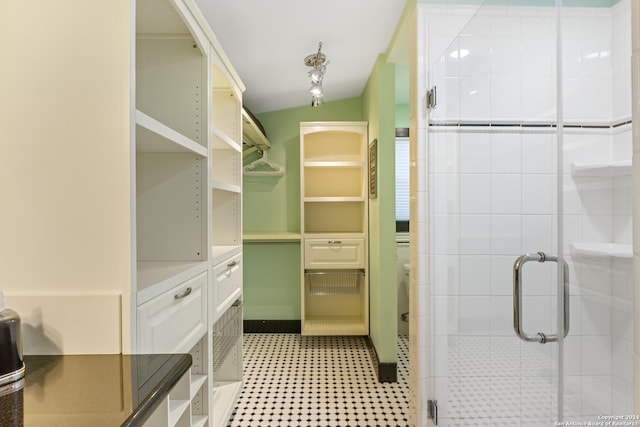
{"points": [[294, 380]]}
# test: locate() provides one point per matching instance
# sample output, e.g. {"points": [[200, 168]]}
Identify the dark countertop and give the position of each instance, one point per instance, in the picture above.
{"points": [[91, 390]]}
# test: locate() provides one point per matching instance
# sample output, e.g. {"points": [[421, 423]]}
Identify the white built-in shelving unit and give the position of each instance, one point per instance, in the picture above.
{"points": [[171, 204], [188, 178], [334, 215], [226, 241]]}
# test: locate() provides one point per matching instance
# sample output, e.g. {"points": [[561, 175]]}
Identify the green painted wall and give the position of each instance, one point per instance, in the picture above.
{"points": [[402, 115], [272, 271], [380, 113]]}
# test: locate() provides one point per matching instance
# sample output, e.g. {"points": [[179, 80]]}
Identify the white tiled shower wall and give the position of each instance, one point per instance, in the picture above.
{"points": [[491, 198], [635, 60]]}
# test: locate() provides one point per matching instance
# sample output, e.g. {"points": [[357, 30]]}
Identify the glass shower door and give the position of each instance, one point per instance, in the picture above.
{"points": [[493, 205], [529, 170]]}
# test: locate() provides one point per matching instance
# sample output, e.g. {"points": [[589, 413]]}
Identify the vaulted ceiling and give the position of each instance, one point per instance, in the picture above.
{"points": [[267, 41]]}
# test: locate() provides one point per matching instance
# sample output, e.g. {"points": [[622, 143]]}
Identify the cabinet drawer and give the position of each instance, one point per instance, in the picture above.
{"points": [[334, 253], [227, 283], [174, 321]]}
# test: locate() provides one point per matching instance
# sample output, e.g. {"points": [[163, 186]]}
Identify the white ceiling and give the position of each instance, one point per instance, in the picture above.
{"points": [[267, 41]]}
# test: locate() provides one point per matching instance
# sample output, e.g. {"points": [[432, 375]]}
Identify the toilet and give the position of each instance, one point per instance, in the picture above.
{"points": [[405, 284]]}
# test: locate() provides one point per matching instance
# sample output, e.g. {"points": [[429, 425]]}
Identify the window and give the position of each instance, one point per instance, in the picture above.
{"points": [[402, 184]]}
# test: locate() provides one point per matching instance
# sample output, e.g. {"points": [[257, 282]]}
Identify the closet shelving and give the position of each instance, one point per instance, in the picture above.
{"points": [[188, 177], [334, 224], [171, 205], [271, 237], [226, 166], [226, 242]]}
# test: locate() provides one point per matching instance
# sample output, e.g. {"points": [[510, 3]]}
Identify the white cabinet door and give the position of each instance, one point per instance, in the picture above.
{"points": [[227, 283], [334, 253], [176, 320]]}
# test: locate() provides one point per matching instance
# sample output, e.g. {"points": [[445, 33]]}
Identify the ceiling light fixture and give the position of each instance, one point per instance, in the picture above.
{"points": [[318, 62]]}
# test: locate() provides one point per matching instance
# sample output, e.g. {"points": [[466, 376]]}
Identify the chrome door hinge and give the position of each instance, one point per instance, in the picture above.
{"points": [[433, 411], [431, 98]]}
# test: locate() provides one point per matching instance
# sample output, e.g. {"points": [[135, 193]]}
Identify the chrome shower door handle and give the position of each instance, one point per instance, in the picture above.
{"points": [[517, 298]]}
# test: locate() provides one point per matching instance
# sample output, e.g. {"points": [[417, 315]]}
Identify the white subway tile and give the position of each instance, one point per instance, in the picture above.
{"points": [[538, 153], [596, 314], [506, 57], [502, 274], [572, 356], [538, 278], [571, 58], [597, 228], [596, 394], [506, 98], [572, 99], [538, 54], [475, 153], [506, 194], [475, 275], [445, 275], [538, 194], [474, 56], [502, 317], [596, 99], [538, 233], [536, 313], [596, 356], [506, 149], [475, 315], [538, 101], [506, 238], [444, 152], [475, 234], [506, 26], [596, 57], [596, 147], [475, 98]]}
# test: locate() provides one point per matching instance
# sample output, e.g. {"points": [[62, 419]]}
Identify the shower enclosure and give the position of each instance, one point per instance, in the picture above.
{"points": [[524, 232]]}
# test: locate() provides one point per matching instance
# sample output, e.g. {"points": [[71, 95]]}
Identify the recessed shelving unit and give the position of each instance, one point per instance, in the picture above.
{"points": [[608, 169], [603, 169], [603, 250], [334, 177]]}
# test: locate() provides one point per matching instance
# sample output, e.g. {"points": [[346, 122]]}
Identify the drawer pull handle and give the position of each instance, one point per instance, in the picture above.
{"points": [[334, 242], [183, 294], [232, 264]]}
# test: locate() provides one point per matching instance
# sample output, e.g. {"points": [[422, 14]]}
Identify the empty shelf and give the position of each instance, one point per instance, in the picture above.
{"points": [[604, 169], [613, 250]]}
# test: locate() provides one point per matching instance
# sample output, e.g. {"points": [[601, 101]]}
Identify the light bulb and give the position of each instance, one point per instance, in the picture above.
{"points": [[315, 75], [316, 90]]}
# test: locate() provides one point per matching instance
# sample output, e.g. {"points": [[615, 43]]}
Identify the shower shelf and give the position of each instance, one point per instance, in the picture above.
{"points": [[334, 282], [605, 169], [612, 250]]}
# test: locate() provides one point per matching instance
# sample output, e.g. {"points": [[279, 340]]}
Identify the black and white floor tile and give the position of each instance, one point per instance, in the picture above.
{"points": [[306, 381]]}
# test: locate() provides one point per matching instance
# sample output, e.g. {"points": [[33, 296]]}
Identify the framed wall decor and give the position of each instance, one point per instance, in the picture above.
{"points": [[373, 159]]}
